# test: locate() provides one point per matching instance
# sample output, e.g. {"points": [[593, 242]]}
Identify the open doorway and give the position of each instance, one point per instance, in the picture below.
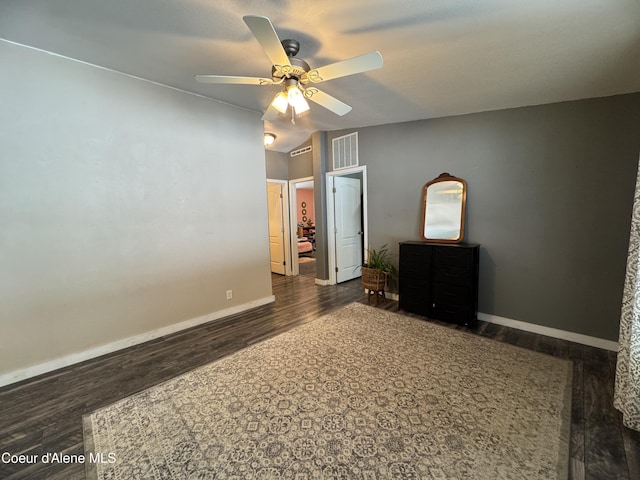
{"points": [[303, 238]]}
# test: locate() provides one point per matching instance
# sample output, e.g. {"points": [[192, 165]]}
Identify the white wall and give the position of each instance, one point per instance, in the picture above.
{"points": [[125, 207]]}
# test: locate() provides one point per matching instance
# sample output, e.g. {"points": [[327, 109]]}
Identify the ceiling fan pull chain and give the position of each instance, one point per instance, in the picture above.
{"points": [[293, 116]]}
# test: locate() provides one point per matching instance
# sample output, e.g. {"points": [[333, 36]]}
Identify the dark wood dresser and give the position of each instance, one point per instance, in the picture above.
{"points": [[439, 280]]}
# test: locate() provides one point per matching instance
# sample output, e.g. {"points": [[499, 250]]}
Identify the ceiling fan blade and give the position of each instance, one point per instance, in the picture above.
{"points": [[266, 35], [233, 80], [362, 63], [327, 101]]}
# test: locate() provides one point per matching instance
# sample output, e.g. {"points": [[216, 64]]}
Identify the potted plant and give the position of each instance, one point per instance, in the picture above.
{"points": [[377, 268]]}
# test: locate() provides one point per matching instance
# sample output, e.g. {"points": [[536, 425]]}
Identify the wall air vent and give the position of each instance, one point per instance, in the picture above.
{"points": [[300, 151], [345, 151]]}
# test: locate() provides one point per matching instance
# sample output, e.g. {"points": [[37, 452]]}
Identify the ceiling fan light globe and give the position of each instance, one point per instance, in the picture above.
{"points": [[301, 107], [280, 102], [296, 99]]}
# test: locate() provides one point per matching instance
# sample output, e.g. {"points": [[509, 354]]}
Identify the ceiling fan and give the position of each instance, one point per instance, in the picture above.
{"points": [[294, 74]]}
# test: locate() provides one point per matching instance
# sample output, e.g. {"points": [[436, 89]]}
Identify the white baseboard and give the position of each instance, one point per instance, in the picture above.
{"points": [[322, 283], [23, 374], [539, 329], [550, 332]]}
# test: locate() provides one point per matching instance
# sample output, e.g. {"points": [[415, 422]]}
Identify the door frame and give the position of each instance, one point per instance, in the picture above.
{"points": [[285, 223], [293, 221], [331, 220]]}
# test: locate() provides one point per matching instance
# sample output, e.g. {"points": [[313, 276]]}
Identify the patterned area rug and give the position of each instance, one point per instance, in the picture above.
{"points": [[358, 394]]}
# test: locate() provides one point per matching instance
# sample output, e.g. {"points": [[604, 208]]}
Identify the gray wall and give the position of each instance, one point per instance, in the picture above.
{"points": [[282, 166], [277, 165], [320, 160], [550, 191], [301, 166], [125, 207]]}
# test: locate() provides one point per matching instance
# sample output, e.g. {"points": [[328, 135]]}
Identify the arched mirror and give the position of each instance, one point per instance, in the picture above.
{"points": [[443, 205]]}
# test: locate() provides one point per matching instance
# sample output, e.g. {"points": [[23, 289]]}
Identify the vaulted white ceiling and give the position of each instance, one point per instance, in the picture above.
{"points": [[441, 57]]}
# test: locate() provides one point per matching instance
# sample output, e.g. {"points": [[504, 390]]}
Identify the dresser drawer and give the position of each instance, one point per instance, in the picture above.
{"points": [[453, 274], [414, 306], [415, 261], [411, 253], [414, 289], [455, 256], [451, 295], [462, 314], [414, 271]]}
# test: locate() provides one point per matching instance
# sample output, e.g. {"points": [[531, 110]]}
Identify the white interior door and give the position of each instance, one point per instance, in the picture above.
{"points": [[348, 227], [276, 227]]}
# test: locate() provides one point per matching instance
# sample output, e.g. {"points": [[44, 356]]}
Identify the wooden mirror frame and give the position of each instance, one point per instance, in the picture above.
{"points": [[444, 177]]}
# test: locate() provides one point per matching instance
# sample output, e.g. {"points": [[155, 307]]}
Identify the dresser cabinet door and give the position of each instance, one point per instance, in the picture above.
{"points": [[415, 260], [414, 281], [452, 303]]}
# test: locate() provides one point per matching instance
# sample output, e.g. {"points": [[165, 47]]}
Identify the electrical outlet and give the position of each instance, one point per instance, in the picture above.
{"points": [[229, 294]]}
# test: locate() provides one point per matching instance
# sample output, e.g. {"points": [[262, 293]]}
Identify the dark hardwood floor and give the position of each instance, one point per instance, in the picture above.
{"points": [[44, 414]]}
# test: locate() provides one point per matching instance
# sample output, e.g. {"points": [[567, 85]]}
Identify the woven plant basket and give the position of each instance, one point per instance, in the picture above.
{"points": [[373, 279]]}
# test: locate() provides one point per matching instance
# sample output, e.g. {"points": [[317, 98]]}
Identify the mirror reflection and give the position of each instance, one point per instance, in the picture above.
{"points": [[443, 206]]}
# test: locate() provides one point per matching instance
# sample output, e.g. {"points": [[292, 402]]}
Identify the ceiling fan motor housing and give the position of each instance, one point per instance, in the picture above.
{"points": [[291, 47], [297, 68]]}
